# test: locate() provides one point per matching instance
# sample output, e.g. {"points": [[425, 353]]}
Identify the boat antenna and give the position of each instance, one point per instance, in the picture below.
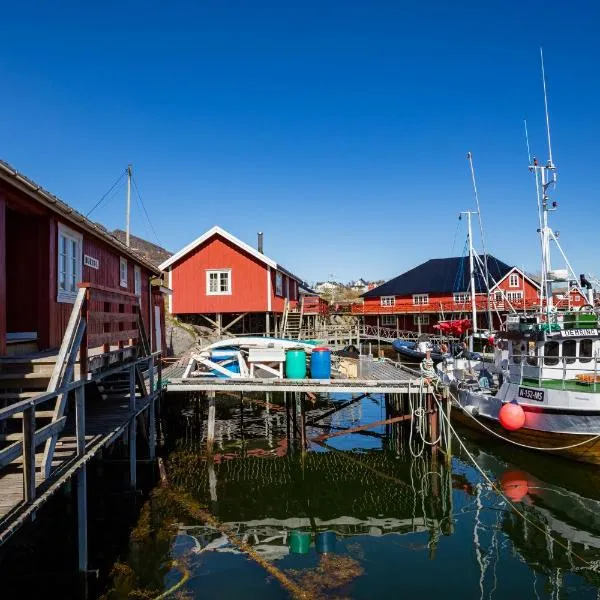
{"points": [[485, 256], [546, 107], [527, 141]]}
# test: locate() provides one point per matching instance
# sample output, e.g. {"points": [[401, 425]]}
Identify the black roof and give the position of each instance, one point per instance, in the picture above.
{"points": [[440, 276]]}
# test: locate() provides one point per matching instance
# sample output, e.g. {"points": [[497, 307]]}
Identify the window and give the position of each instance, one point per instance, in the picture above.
{"points": [[388, 300], [420, 299], [532, 354], [278, 284], [498, 296], [551, 353], [517, 352], [287, 288], [569, 351], [462, 297], [388, 320], [218, 283], [513, 280], [69, 263], [514, 296], [137, 281], [123, 272], [421, 319], [585, 351]]}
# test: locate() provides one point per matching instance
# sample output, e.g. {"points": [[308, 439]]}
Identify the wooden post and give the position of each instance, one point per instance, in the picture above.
{"points": [[300, 408], [132, 431], [151, 412], [29, 454], [267, 324], [210, 431], [378, 335], [81, 484]]}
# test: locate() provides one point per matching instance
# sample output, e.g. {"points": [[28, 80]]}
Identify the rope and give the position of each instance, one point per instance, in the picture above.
{"points": [[527, 446], [503, 496]]}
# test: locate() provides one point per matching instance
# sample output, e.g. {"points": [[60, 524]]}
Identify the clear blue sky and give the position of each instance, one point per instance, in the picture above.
{"points": [[340, 129]]}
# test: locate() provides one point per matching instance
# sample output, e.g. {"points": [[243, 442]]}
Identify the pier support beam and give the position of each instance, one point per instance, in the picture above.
{"points": [[81, 490], [151, 413], [210, 431], [132, 432]]}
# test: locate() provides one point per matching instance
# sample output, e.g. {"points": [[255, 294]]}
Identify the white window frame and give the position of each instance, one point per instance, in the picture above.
{"points": [[122, 272], [219, 272], [420, 299], [423, 319], [388, 300], [278, 283], [511, 280], [514, 296], [66, 295], [461, 297], [387, 320], [137, 281]]}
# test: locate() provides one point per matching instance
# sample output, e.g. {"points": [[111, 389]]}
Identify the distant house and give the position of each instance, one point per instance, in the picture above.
{"points": [[439, 289], [360, 285], [220, 280], [326, 287]]}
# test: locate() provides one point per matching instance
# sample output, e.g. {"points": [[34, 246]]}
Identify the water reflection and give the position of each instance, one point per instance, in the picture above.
{"points": [[358, 516]]}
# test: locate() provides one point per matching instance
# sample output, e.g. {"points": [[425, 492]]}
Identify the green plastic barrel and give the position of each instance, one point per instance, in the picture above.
{"points": [[299, 542], [295, 363]]}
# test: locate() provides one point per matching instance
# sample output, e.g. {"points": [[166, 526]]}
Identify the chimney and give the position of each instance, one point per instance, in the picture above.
{"points": [[260, 242]]}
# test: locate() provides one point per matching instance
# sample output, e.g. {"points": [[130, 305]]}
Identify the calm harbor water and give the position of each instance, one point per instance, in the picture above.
{"points": [[375, 521]]}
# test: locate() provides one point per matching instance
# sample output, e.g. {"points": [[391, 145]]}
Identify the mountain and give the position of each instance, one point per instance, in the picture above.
{"points": [[151, 252]]}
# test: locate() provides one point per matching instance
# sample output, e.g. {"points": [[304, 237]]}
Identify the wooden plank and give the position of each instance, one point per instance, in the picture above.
{"points": [[95, 288], [112, 317], [29, 454], [99, 339]]}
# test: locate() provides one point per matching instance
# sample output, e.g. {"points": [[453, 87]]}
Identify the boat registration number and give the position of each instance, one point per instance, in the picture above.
{"points": [[537, 395]]}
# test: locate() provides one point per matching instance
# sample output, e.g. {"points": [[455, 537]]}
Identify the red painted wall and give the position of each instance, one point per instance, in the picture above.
{"points": [[2, 275], [248, 280], [278, 301]]}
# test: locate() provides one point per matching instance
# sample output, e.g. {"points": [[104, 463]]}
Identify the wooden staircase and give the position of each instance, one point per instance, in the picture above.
{"points": [[292, 322]]}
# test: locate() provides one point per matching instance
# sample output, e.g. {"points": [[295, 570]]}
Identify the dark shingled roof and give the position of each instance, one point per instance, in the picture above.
{"points": [[440, 276]]}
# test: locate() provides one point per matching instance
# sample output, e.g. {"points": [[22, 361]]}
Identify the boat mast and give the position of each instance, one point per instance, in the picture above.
{"points": [[545, 176], [128, 215], [485, 256], [472, 277]]}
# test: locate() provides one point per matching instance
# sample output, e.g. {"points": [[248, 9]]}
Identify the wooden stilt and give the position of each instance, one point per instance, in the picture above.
{"points": [[132, 432], [151, 414], [82, 533]]}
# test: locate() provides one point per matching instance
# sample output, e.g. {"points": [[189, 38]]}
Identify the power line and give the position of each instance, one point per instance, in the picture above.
{"points": [[141, 202], [113, 186]]}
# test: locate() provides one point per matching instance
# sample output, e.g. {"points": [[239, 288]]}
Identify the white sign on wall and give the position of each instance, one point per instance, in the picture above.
{"points": [[90, 261]]}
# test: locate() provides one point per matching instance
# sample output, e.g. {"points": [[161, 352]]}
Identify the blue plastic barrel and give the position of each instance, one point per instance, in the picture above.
{"points": [[295, 363], [320, 363], [325, 542]]}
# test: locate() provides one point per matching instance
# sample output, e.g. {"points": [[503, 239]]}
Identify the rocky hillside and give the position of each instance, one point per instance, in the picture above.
{"points": [[151, 252]]}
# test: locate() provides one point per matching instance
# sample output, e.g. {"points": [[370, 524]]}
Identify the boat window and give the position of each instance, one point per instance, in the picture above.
{"points": [[585, 351], [532, 354], [569, 351], [551, 353], [516, 353]]}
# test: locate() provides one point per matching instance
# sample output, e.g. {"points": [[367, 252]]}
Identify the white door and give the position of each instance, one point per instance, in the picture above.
{"points": [[157, 329]]}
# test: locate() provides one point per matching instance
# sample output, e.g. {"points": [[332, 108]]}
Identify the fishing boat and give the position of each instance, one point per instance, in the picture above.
{"points": [[548, 393]]}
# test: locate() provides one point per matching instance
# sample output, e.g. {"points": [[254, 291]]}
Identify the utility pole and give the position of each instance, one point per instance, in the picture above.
{"points": [[128, 216]]}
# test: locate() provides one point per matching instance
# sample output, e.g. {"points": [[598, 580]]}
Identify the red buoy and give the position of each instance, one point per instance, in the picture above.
{"points": [[515, 485], [512, 416]]}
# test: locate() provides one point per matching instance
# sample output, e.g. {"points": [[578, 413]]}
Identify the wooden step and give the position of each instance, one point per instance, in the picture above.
{"points": [[39, 414], [16, 396]]}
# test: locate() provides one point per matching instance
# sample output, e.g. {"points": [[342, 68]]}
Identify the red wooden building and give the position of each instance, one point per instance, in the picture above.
{"points": [[219, 279], [47, 252], [439, 290]]}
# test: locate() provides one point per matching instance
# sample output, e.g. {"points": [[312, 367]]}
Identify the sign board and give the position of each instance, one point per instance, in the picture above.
{"points": [[529, 394], [579, 332], [90, 261]]}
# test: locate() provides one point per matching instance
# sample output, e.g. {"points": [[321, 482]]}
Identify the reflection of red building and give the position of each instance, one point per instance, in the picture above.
{"points": [[227, 282], [439, 290]]}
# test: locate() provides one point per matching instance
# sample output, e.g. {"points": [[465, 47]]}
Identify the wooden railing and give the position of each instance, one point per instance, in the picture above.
{"points": [[406, 306], [25, 448]]}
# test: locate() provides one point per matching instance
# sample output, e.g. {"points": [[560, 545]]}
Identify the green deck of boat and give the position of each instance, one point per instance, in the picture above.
{"points": [[558, 384]]}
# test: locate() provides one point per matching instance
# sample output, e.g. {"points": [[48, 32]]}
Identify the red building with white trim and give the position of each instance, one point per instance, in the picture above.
{"points": [[225, 282], [439, 290]]}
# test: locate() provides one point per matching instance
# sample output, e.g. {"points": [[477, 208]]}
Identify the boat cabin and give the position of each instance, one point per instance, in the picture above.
{"points": [[566, 350]]}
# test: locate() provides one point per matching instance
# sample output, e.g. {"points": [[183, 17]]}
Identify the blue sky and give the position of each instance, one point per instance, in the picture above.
{"points": [[340, 129]]}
